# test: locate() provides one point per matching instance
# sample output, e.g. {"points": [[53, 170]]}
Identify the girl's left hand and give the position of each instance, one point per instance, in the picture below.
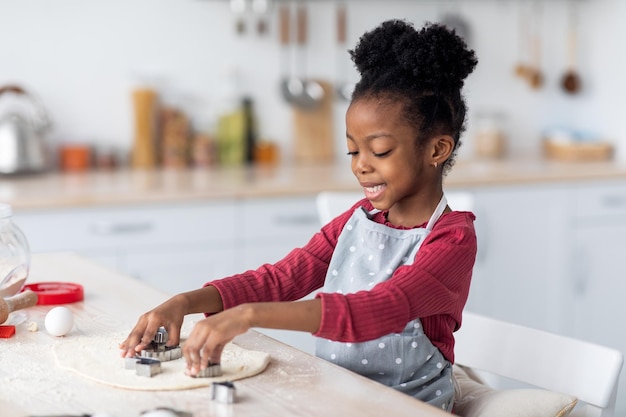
{"points": [[209, 336]]}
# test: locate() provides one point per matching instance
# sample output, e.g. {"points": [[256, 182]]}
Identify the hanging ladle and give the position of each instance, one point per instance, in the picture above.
{"points": [[344, 88], [312, 91], [298, 91], [570, 81], [290, 86]]}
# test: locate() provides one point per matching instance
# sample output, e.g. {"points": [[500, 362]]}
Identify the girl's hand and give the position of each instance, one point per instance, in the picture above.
{"points": [[170, 315], [209, 336]]}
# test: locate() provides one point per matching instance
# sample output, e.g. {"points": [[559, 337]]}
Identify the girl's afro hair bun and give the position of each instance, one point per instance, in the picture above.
{"points": [[434, 58]]}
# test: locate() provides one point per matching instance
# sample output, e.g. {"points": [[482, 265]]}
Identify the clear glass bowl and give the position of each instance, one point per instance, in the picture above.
{"points": [[14, 254]]}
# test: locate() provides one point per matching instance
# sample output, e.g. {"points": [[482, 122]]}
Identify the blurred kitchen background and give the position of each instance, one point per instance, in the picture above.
{"points": [[84, 59], [130, 84]]}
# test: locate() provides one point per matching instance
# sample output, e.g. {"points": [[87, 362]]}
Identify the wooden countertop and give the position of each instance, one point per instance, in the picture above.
{"points": [[294, 384], [127, 186]]}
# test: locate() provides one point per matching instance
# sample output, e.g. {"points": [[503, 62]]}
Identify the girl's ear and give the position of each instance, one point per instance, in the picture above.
{"points": [[441, 149]]}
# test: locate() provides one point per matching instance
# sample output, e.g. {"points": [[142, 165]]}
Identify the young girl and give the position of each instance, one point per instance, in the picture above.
{"points": [[395, 268]]}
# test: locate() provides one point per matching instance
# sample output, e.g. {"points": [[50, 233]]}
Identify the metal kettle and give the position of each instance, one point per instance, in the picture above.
{"points": [[22, 135]]}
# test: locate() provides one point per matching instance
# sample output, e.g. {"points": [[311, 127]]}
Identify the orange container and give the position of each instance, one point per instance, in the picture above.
{"points": [[74, 157]]}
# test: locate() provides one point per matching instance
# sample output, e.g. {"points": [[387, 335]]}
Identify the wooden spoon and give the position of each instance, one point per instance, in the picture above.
{"points": [[522, 67], [570, 81], [535, 77]]}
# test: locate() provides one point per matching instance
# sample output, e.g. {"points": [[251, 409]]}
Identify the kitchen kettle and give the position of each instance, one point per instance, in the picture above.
{"points": [[22, 135]]}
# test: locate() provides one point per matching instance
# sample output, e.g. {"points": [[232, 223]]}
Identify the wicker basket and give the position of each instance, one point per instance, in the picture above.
{"points": [[577, 151]]}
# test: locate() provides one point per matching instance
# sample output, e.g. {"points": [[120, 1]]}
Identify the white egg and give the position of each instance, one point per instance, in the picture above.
{"points": [[59, 321]]}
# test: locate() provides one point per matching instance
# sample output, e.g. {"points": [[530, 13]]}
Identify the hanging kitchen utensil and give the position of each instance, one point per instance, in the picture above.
{"points": [[291, 86], [261, 9], [344, 88], [535, 76], [22, 135], [570, 81], [313, 92], [522, 67], [453, 19], [238, 7]]}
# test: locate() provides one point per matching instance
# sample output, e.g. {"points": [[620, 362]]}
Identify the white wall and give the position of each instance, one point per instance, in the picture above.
{"points": [[83, 58]]}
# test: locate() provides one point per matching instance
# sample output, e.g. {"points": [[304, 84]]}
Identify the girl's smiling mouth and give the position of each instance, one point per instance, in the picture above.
{"points": [[374, 191]]}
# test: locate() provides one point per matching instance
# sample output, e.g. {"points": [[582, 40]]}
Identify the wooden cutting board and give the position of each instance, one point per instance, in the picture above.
{"points": [[313, 130]]}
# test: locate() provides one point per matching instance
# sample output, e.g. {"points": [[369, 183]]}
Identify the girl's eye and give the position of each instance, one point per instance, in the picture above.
{"points": [[353, 153], [381, 154]]}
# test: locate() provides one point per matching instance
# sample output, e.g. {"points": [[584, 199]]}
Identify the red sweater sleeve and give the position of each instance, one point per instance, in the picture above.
{"points": [[301, 272], [434, 288]]}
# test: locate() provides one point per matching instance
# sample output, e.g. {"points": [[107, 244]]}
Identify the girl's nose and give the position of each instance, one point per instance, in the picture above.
{"points": [[360, 164]]}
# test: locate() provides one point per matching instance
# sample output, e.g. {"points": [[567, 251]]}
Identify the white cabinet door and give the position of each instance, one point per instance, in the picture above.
{"points": [[272, 227], [182, 269], [597, 280], [521, 255]]}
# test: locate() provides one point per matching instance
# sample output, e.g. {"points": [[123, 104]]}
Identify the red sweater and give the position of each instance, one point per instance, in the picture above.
{"points": [[434, 288]]}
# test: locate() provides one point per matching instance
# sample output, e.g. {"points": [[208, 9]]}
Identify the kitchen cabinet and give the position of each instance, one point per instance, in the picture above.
{"points": [[597, 285], [174, 247], [272, 227], [519, 270]]}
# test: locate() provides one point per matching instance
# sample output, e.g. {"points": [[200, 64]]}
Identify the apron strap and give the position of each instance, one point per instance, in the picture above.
{"points": [[443, 203], [437, 213]]}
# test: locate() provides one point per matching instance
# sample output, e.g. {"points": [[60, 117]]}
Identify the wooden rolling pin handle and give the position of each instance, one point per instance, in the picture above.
{"points": [[24, 300]]}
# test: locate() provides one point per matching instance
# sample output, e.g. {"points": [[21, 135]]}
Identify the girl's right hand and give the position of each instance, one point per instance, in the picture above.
{"points": [[170, 315]]}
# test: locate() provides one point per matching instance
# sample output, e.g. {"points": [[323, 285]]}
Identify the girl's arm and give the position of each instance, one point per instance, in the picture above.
{"points": [[170, 315], [209, 336]]}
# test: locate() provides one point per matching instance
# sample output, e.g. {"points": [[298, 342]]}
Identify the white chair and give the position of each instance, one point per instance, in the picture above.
{"points": [[330, 204], [541, 359]]}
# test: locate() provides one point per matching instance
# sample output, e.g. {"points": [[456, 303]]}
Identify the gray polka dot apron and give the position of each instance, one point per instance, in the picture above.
{"points": [[368, 253]]}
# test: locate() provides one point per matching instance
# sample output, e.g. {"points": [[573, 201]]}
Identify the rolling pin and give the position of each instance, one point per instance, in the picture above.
{"points": [[16, 302]]}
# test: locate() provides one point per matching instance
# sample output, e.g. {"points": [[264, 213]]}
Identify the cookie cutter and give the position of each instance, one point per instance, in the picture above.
{"points": [[148, 362], [143, 366], [157, 349], [223, 392], [213, 370]]}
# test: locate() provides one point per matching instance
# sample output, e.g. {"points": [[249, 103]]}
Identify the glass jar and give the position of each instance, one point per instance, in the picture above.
{"points": [[490, 138], [14, 254]]}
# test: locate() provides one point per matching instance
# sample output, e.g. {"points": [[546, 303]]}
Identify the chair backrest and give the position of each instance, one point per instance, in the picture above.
{"points": [[330, 204], [542, 359]]}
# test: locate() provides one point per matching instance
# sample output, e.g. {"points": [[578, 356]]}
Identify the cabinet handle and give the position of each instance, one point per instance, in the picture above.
{"points": [[614, 201], [302, 220], [111, 228]]}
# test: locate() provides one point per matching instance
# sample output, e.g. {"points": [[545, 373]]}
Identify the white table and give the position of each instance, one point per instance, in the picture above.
{"points": [[294, 384]]}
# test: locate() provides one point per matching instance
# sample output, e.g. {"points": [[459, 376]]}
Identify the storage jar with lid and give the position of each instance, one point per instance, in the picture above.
{"points": [[14, 254]]}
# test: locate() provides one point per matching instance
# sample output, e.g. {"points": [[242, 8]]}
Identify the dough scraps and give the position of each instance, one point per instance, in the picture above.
{"points": [[98, 358]]}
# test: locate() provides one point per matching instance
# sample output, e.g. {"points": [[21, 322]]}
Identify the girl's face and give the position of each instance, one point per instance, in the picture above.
{"points": [[396, 174]]}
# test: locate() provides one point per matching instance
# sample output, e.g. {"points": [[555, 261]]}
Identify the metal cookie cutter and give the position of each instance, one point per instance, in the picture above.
{"points": [[223, 392], [214, 369], [143, 366], [148, 363], [158, 350]]}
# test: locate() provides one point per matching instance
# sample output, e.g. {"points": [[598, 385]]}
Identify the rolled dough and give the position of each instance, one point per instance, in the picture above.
{"points": [[98, 358]]}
